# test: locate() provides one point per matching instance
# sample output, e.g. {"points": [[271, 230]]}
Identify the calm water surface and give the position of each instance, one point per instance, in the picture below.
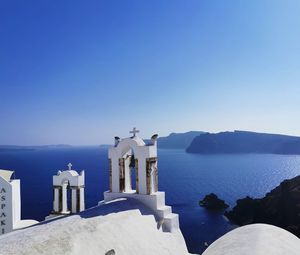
{"points": [[185, 178]]}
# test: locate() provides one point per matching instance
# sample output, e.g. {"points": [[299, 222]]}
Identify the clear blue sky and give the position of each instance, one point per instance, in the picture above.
{"points": [[81, 72]]}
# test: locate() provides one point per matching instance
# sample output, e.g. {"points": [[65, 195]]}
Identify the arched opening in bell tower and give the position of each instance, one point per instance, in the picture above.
{"points": [[128, 172], [132, 169]]}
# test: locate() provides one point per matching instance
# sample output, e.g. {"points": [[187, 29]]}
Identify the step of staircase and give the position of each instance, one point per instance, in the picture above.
{"points": [[170, 222], [163, 211]]}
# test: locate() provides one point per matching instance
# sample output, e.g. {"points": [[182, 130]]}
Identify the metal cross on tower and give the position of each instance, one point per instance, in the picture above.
{"points": [[134, 132], [70, 166]]}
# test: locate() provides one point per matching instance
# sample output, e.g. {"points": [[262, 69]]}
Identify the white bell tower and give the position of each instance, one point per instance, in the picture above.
{"points": [[134, 154], [133, 151], [68, 181]]}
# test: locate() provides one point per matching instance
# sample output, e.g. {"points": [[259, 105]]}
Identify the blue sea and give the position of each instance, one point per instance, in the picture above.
{"points": [[186, 178]]}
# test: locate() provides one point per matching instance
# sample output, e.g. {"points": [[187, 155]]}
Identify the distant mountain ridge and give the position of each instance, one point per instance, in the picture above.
{"points": [[178, 140], [32, 147], [244, 142], [105, 146]]}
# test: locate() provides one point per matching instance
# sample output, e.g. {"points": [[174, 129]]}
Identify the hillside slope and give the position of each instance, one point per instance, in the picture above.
{"points": [[178, 140], [244, 142]]}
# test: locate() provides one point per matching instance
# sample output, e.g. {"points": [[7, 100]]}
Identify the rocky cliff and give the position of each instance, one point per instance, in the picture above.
{"points": [[177, 140], [280, 207], [244, 142]]}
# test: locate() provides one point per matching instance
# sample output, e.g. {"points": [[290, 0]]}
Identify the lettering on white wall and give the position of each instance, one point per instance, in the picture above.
{"points": [[2, 212]]}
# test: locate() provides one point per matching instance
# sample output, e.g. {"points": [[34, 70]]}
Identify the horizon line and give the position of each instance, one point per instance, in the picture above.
{"points": [[108, 144]]}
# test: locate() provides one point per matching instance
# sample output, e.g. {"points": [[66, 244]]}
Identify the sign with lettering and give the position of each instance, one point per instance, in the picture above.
{"points": [[3, 200]]}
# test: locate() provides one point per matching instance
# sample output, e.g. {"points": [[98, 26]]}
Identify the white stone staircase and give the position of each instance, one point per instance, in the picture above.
{"points": [[156, 202]]}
